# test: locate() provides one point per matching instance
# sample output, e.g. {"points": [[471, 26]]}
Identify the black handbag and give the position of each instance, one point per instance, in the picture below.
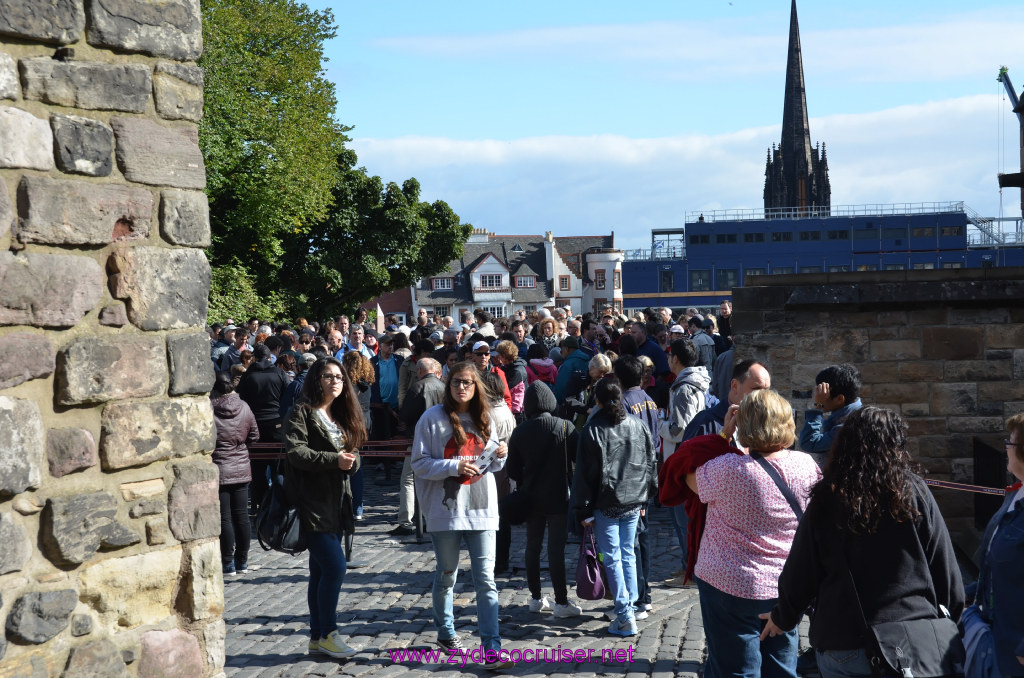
{"points": [[277, 521], [515, 507]]}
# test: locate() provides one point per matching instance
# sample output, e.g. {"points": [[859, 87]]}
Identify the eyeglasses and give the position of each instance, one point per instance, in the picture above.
{"points": [[482, 353], [463, 383], [1009, 443], [332, 377]]}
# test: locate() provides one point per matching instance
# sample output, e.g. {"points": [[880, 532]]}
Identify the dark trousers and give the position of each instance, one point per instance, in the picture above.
{"points": [[557, 532], [503, 541], [643, 556], [234, 524], [270, 432]]}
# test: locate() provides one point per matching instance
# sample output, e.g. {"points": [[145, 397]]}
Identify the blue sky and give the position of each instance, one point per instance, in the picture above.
{"points": [[584, 118]]}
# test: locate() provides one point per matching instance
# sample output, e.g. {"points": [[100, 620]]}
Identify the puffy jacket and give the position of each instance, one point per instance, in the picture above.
{"points": [[538, 451], [516, 378], [236, 428], [542, 369], [261, 387], [686, 399], [615, 465], [314, 481]]}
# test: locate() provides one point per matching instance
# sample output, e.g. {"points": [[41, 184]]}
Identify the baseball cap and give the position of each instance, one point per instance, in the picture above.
{"points": [[481, 344], [676, 329]]}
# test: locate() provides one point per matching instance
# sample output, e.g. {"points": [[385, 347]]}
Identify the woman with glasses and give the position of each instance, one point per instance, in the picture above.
{"points": [[455, 453], [322, 442]]}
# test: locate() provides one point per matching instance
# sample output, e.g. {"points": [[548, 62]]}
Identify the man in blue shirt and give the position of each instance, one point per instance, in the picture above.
{"points": [[651, 349], [836, 394], [747, 376]]}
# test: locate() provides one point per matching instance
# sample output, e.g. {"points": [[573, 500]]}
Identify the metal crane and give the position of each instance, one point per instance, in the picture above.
{"points": [[1015, 180]]}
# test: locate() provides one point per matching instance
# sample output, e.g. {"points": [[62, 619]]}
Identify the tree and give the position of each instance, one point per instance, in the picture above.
{"points": [[233, 295], [377, 238], [268, 133]]}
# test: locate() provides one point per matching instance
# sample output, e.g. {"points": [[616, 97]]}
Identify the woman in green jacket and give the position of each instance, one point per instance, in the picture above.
{"points": [[322, 443]]}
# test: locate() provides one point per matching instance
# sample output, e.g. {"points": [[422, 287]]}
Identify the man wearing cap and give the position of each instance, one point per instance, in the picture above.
{"points": [[233, 355], [227, 337], [482, 360], [384, 392], [677, 332]]}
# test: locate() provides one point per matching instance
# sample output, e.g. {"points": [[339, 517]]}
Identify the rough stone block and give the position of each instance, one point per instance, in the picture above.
{"points": [[25, 140], [83, 145], [185, 218], [27, 505], [6, 210], [142, 488], [48, 290], [166, 289], [170, 654], [148, 507], [929, 316], [59, 21], [923, 371], [94, 86], [205, 582], [21, 445], [131, 591], [95, 659], [149, 153], [118, 536], [925, 426], [847, 346], [81, 625], [98, 369], [878, 372], [59, 212], [69, 450], [954, 399], [157, 532], [170, 29], [114, 315], [977, 370], [194, 503], [178, 90], [189, 359], [976, 424], [17, 548], [74, 526], [136, 434], [214, 636], [953, 343], [896, 349], [899, 393], [1005, 336], [8, 76], [38, 617], [1006, 390], [26, 356], [1018, 363], [915, 409]]}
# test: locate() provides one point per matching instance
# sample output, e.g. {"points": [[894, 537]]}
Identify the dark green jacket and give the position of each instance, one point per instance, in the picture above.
{"points": [[321, 490]]}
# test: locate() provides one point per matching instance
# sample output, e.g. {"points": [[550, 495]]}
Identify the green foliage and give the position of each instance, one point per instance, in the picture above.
{"points": [[233, 295], [268, 133]]}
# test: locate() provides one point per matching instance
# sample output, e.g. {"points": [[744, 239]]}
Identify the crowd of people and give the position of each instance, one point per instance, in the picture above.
{"points": [[565, 423]]}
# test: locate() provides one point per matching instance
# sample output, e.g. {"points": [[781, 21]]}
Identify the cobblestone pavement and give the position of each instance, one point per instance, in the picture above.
{"points": [[386, 605]]}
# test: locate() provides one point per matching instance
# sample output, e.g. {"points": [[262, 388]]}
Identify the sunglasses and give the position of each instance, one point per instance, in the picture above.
{"points": [[463, 383], [481, 353]]}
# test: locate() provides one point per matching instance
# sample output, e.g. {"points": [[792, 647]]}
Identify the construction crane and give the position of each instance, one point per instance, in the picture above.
{"points": [[1015, 180]]}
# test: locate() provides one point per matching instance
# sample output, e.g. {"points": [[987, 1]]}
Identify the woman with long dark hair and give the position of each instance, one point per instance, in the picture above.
{"points": [[872, 519], [455, 453], [615, 475], [322, 442]]}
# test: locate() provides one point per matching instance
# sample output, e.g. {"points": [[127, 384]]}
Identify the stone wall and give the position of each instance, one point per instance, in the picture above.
{"points": [[109, 558], [945, 348]]}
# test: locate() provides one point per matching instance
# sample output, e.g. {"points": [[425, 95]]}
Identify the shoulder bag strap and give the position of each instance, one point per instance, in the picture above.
{"points": [[783, 487]]}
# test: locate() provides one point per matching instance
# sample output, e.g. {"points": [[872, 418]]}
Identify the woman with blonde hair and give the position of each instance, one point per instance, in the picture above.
{"points": [[747, 536]]}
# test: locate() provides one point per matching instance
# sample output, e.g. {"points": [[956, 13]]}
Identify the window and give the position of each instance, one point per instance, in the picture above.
{"points": [[953, 264], [725, 238], [753, 237], [810, 269], [442, 311], [529, 308], [839, 235], [617, 280], [700, 239], [563, 283], [928, 232], [782, 236], [517, 248], [496, 311], [952, 230], [926, 266], [782, 270], [894, 232], [599, 279], [755, 271], [838, 269], [728, 278], [895, 267], [700, 279], [667, 281], [442, 283], [490, 280], [867, 267], [526, 281], [810, 235]]}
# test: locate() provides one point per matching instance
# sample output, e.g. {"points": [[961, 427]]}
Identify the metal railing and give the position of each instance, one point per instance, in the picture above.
{"points": [[867, 210]]}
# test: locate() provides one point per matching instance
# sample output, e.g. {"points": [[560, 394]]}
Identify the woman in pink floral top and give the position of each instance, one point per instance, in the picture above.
{"points": [[749, 530]]}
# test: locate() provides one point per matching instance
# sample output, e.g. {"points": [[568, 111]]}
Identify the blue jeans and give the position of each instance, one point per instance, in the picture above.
{"points": [[358, 481], [680, 521], [615, 538], [326, 574], [733, 631], [844, 663], [480, 544]]}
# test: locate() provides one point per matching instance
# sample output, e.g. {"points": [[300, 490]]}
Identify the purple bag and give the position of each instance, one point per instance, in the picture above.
{"points": [[589, 580]]}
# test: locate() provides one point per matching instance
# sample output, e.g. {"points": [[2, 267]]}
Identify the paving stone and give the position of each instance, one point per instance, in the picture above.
{"points": [[185, 218], [48, 290], [21, 445], [95, 659], [92, 86], [189, 361], [171, 29], [149, 153], [63, 212], [178, 90], [83, 145], [37, 617], [59, 21], [170, 654], [27, 356], [69, 450], [165, 289], [96, 369], [139, 433], [17, 548], [25, 140]]}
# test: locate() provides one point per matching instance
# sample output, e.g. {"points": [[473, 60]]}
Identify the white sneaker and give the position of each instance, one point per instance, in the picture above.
{"points": [[638, 613], [567, 610], [540, 604]]}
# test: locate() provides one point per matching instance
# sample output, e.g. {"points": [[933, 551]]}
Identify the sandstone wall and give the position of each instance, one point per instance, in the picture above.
{"points": [[945, 348], [109, 560]]}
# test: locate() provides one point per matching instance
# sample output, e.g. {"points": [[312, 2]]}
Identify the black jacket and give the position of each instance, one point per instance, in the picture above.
{"points": [[422, 395], [314, 480], [541, 452], [615, 465], [890, 567], [261, 387]]}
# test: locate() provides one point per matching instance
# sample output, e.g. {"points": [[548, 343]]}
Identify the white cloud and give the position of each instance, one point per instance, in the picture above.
{"points": [[934, 152]]}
